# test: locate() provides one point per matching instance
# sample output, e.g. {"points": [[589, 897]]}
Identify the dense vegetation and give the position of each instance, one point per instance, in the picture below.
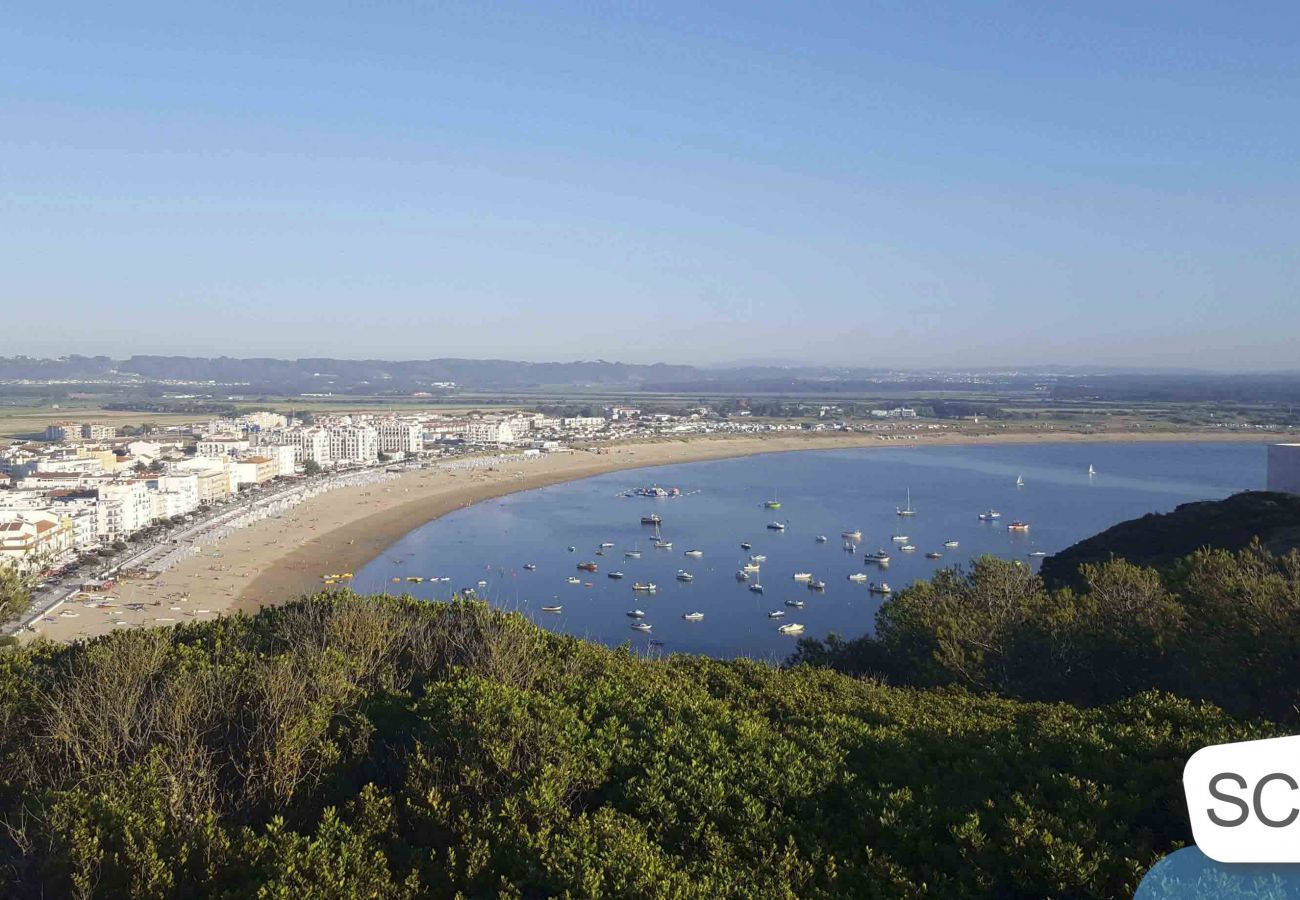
{"points": [[1162, 539], [1217, 626], [348, 746]]}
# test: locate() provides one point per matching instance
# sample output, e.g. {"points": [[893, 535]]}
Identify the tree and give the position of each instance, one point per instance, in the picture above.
{"points": [[311, 467], [15, 592]]}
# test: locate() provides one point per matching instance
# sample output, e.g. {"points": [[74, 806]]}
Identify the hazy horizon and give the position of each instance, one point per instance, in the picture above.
{"points": [[893, 187]]}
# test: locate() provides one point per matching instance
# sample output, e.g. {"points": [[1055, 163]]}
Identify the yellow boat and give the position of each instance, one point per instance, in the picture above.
{"points": [[415, 579], [396, 580]]}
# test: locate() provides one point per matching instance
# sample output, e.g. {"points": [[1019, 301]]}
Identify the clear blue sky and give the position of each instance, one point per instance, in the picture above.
{"points": [[902, 184]]}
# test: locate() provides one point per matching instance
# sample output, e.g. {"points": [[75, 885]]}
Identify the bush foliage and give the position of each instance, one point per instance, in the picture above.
{"points": [[1217, 626], [353, 746]]}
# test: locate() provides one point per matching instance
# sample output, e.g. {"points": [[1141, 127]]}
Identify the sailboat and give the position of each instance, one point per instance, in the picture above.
{"points": [[1091, 471], [1020, 481], [907, 510], [773, 503]]}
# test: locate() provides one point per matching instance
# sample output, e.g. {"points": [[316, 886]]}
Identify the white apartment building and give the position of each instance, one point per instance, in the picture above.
{"points": [[584, 423], [93, 431], [489, 433], [285, 457], [124, 508], [213, 476], [309, 444], [62, 431], [217, 447], [353, 444], [255, 469], [70, 462], [262, 420], [400, 436], [174, 495], [34, 539]]}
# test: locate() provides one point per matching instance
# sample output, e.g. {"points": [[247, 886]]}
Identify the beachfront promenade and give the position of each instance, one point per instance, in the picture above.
{"points": [[175, 546]]}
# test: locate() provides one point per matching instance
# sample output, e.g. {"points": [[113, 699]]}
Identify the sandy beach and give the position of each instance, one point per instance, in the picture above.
{"points": [[340, 531]]}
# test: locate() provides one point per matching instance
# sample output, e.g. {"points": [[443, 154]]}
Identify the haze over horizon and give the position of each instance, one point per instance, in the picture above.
{"points": [[888, 187]]}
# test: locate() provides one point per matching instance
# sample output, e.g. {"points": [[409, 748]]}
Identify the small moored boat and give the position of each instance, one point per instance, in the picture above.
{"points": [[693, 616], [791, 628], [552, 608]]}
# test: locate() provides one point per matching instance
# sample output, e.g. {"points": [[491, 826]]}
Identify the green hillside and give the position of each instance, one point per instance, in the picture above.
{"points": [[1160, 539], [350, 746]]}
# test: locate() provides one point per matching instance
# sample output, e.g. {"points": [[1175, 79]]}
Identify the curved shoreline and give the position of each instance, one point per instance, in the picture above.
{"points": [[353, 546], [277, 560]]}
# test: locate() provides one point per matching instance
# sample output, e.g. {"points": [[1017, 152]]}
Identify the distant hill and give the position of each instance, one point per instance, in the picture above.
{"points": [[1159, 539]]}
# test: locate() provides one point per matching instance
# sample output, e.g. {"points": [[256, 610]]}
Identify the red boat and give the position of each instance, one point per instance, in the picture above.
{"points": [[587, 566]]}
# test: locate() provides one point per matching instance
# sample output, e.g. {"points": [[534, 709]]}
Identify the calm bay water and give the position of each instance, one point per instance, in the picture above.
{"points": [[821, 493]]}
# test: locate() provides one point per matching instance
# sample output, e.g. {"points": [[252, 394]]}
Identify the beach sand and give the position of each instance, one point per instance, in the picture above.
{"points": [[342, 530]]}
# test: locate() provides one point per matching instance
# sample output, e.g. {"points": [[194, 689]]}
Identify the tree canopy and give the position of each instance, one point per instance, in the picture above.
{"points": [[353, 746]]}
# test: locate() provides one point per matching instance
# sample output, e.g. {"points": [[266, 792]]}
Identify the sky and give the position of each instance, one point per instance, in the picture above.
{"points": [[902, 184]]}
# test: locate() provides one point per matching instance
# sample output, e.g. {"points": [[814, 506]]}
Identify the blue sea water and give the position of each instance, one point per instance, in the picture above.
{"points": [[821, 493]]}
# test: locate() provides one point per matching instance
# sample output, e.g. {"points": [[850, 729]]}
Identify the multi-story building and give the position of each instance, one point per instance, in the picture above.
{"points": [[33, 540], [492, 434], [217, 447], [584, 423], [124, 508], [70, 462], [94, 431], [62, 431], [309, 444], [262, 421], [174, 495], [255, 469], [400, 436], [284, 456], [357, 444], [72, 431], [213, 476]]}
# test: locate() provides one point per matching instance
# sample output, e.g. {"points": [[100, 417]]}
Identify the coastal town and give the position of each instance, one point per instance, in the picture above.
{"points": [[86, 494]]}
